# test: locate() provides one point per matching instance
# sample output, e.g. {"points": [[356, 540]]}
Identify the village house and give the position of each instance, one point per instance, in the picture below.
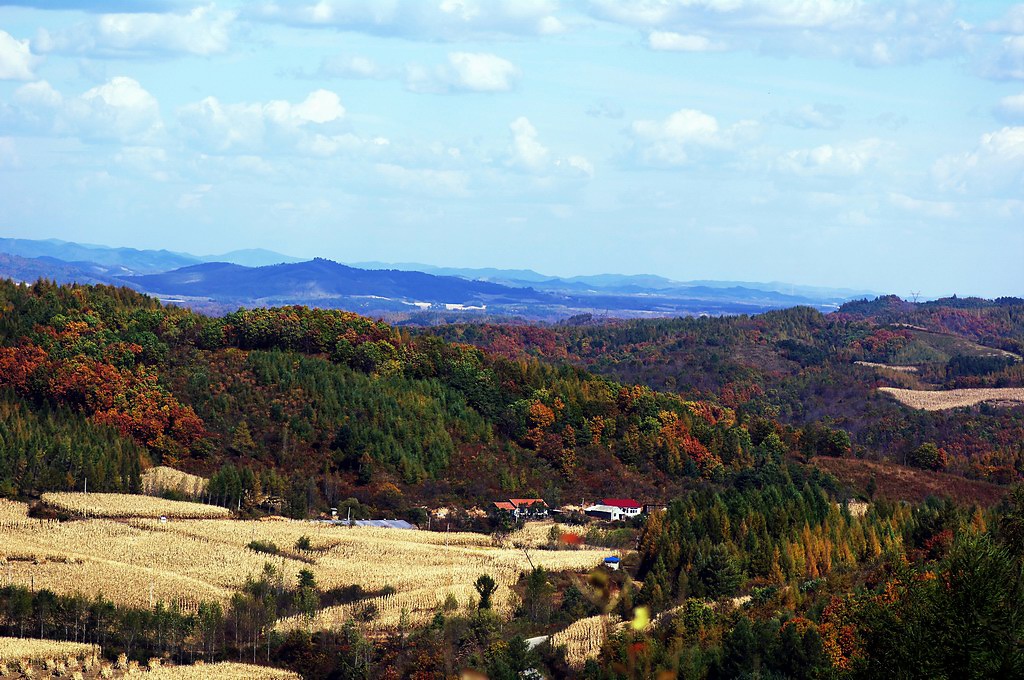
{"points": [[614, 509], [627, 506], [523, 508]]}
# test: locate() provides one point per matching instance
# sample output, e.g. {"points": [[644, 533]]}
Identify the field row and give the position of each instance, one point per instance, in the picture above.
{"points": [[939, 400], [143, 561]]}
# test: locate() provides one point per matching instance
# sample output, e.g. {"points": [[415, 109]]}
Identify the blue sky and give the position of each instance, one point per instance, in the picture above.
{"points": [[852, 143]]}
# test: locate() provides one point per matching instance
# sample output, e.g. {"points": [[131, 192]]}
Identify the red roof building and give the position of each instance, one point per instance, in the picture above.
{"points": [[526, 502], [624, 503], [524, 508]]}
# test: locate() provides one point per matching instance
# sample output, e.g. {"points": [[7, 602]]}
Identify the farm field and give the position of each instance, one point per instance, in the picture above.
{"points": [[161, 478], [221, 671], [142, 561], [129, 505], [887, 367], [939, 400], [26, 649], [899, 481], [28, 658], [583, 639]]}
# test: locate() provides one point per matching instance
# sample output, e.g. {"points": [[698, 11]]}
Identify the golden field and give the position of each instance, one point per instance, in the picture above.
{"points": [[141, 561], [221, 671], [161, 478], [122, 505], [939, 400], [887, 367], [28, 649], [583, 639]]}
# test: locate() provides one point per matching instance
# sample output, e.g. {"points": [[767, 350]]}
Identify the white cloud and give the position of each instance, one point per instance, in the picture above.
{"points": [[425, 181], [899, 31], [674, 140], [351, 67], [776, 14], [936, 209], [817, 116], [482, 72], [16, 59], [1008, 64], [439, 20], [321, 106], [348, 143], [464, 72], [148, 160], [39, 94], [677, 42], [996, 165], [193, 199], [1010, 109], [1011, 22], [8, 153], [118, 110], [527, 151], [202, 31], [582, 164], [245, 126], [833, 160]]}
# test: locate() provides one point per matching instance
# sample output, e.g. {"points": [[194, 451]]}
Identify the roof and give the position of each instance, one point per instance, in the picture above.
{"points": [[527, 501], [604, 508], [621, 502], [504, 505], [613, 558]]}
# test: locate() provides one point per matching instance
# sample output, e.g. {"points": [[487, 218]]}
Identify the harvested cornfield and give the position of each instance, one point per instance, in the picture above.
{"points": [[940, 400], [12, 510], [13, 650], [122, 506], [143, 561], [583, 639], [221, 671], [887, 367], [160, 479]]}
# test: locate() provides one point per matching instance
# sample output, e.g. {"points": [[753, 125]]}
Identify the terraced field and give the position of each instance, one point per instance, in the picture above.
{"points": [[939, 400], [140, 561]]}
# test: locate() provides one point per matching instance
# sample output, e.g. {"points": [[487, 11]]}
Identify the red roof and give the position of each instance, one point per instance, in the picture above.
{"points": [[527, 501], [504, 505], [620, 502]]}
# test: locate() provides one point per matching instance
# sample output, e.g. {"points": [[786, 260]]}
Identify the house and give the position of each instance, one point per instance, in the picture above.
{"points": [[523, 508], [606, 512], [612, 562], [627, 506]]}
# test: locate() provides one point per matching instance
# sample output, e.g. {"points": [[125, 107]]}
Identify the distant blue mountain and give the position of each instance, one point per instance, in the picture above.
{"points": [[129, 261], [261, 277], [321, 279]]}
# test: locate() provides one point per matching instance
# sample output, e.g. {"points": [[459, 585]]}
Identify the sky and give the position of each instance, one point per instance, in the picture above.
{"points": [[849, 143]]}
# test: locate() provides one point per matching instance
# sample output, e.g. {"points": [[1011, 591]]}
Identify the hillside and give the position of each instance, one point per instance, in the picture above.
{"points": [[318, 406], [296, 411], [801, 367]]}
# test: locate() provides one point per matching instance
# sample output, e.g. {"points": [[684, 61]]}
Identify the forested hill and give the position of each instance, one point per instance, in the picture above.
{"points": [[801, 367], [318, 406]]}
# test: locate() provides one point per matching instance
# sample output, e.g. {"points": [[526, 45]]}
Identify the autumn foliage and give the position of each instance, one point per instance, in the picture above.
{"points": [[77, 364]]}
